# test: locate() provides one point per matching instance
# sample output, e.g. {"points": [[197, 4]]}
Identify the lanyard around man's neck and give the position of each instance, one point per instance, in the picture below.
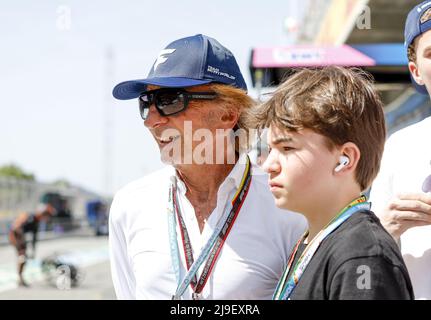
{"points": [[212, 248], [285, 287]]}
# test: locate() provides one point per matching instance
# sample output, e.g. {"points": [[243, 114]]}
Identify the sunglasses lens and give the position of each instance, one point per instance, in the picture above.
{"points": [[144, 106], [170, 102], [167, 102]]}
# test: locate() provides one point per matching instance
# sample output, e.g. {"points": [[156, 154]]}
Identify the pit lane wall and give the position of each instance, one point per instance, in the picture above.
{"points": [[20, 195]]}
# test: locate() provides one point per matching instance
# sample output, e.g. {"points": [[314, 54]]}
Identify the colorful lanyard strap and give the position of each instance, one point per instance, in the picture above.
{"points": [[212, 248], [284, 288]]}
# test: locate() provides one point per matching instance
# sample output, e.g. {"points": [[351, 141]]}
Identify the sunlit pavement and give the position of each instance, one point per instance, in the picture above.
{"points": [[89, 253]]}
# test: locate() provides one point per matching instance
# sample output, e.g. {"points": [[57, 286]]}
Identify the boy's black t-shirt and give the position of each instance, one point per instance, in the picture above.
{"points": [[358, 260]]}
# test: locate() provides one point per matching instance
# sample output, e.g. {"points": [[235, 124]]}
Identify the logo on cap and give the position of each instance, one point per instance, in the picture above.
{"points": [[161, 58]]}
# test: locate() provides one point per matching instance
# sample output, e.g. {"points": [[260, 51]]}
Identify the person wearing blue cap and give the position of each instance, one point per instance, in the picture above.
{"points": [[205, 226], [401, 193]]}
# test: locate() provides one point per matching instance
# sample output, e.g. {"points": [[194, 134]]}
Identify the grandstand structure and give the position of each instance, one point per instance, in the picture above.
{"points": [[354, 33]]}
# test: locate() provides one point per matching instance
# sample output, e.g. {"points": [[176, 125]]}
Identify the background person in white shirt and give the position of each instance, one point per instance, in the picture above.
{"points": [[210, 201], [401, 193]]}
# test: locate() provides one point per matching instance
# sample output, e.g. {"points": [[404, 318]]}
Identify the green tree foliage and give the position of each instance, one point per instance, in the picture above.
{"points": [[12, 170]]}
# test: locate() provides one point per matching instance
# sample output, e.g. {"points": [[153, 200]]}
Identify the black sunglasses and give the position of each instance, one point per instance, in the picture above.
{"points": [[170, 101]]}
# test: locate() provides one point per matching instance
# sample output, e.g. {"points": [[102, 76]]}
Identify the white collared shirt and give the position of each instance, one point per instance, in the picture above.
{"points": [[405, 165], [252, 258]]}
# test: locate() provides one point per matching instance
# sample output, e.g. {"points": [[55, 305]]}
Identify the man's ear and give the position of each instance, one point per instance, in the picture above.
{"points": [[414, 71], [230, 118]]}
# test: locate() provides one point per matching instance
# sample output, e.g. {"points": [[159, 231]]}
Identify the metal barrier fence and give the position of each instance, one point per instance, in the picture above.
{"points": [[20, 195], [55, 228]]}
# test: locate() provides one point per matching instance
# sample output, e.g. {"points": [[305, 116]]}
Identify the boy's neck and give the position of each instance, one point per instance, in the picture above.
{"points": [[324, 211]]}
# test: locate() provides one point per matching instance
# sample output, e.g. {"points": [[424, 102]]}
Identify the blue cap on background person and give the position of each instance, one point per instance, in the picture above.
{"points": [[414, 28], [187, 62]]}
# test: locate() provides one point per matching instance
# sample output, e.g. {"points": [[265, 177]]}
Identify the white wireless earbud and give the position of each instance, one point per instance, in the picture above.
{"points": [[344, 161]]}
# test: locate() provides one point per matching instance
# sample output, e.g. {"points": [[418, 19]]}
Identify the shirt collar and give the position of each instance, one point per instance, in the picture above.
{"points": [[238, 170], [234, 177]]}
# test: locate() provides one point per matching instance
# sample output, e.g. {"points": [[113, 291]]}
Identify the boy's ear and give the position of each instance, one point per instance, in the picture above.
{"points": [[414, 71], [351, 151]]}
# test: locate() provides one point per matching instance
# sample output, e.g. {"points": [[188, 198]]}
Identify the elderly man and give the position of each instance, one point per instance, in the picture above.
{"points": [[204, 227]]}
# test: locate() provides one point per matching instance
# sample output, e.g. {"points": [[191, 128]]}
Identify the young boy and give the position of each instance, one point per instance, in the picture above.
{"points": [[401, 193], [326, 136]]}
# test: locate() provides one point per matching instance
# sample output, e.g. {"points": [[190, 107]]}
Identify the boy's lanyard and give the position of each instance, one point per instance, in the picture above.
{"points": [[284, 288], [212, 248]]}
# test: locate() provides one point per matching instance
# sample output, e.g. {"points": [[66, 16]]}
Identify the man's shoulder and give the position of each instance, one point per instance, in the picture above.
{"points": [[259, 176], [146, 185], [409, 135], [144, 193], [149, 180]]}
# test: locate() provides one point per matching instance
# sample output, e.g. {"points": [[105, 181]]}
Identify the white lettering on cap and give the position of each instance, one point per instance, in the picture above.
{"points": [[217, 71], [161, 58]]}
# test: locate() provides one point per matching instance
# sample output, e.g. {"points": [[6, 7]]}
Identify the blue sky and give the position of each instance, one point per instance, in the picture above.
{"points": [[53, 85]]}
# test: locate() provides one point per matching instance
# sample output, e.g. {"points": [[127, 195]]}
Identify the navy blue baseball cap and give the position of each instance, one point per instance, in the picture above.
{"points": [[187, 62], [415, 28]]}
